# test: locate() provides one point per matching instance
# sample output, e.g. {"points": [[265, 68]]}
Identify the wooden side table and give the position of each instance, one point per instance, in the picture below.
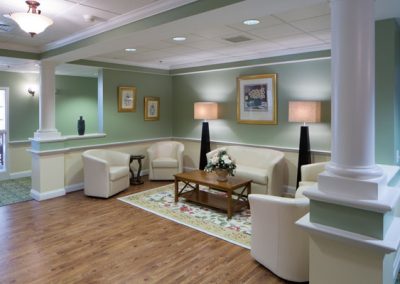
{"points": [[136, 180]]}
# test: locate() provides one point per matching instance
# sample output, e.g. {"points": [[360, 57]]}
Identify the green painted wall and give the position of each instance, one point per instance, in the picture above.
{"points": [[24, 109], [307, 80], [387, 91], [126, 126], [76, 96]]}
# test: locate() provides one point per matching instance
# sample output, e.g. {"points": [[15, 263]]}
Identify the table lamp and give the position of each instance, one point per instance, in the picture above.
{"points": [[205, 111], [305, 112]]}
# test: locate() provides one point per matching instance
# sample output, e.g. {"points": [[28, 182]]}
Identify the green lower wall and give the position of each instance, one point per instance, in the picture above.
{"points": [[306, 80]]}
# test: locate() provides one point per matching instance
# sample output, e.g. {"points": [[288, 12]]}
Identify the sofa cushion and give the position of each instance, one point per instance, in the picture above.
{"points": [[165, 162], [118, 172], [256, 174]]}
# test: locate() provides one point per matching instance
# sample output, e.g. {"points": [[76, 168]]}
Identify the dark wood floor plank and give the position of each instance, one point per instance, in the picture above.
{"points": [[78, 239]]}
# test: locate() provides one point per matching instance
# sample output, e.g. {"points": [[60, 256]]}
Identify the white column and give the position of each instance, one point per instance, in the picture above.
{"points": [[353, 90], [353, 225], [47, 100]]}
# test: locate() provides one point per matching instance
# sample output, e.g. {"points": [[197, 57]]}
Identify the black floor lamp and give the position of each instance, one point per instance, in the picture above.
{"points": [[205, 111], [305, 112]]}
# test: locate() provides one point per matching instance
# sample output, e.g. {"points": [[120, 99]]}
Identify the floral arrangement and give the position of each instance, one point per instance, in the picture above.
{"points": [[221, 160]]}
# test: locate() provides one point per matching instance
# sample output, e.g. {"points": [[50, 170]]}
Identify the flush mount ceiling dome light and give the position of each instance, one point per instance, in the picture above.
{"points": [[32, 21], [179, 38], [251, 22]]}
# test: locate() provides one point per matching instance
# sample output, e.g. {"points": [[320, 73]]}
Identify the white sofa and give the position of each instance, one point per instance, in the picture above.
{"points": [[264, 166], [165, 160], [105, 172]]}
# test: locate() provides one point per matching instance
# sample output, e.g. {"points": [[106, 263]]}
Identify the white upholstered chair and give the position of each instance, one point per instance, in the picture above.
{"points": [[276, 241], [106, 172], [309, 176], [165, 160]]}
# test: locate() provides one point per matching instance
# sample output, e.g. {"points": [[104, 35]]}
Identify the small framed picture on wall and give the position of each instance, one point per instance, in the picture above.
{"points": [[151, 108], [257, 99], [126, 99]]}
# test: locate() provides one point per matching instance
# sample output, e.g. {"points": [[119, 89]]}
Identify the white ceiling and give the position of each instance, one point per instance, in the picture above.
{"points": [[286, 27]]}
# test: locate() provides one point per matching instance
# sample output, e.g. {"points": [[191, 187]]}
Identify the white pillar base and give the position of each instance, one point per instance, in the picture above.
{"points": [[47, 175], [335, 262]]}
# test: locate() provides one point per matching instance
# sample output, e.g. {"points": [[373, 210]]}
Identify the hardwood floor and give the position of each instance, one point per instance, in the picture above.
{"points": [[78, 239]]}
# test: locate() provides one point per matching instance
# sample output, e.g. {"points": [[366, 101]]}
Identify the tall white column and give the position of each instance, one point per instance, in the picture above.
{"points": [[353, 224], [353, 90], [47, 100]]}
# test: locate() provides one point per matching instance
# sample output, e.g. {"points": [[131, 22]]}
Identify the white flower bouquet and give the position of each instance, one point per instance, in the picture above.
{"points": [[221, 160]]}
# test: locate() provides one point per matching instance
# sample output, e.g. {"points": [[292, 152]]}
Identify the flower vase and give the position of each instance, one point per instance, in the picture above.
{"points": [[81, 126], [222, 174]]}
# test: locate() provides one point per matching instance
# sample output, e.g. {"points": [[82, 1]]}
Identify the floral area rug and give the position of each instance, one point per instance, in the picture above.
{"points": [[160, 201], [15, 190]]}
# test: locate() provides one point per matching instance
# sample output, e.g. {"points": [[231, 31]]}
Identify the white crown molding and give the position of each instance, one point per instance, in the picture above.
{"points": [[127, 63], [18, 47], [133, 16], [255, 56]]}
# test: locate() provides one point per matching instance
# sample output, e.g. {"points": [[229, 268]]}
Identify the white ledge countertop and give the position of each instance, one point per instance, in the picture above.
{"points": [[71, 137]]}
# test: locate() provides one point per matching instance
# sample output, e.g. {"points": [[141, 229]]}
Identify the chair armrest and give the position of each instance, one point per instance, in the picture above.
{"points": [[179, 156], [310, 172], [96, 173]]}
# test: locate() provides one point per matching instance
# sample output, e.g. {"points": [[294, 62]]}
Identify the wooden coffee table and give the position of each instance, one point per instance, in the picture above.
{"points": [[196, 178]]}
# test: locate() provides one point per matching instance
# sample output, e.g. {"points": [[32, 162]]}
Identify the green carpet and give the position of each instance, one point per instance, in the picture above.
{"points": [[15, 190]]}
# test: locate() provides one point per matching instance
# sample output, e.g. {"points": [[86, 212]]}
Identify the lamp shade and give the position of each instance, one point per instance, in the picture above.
{"points": [[205, 110], [304, 111]]}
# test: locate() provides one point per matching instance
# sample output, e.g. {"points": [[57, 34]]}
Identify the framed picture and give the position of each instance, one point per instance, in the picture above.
{"points": [[256, 99], [151, 108], [126, 99]]}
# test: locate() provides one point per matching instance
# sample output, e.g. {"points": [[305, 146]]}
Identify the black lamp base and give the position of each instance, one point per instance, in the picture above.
{"points": [[304, 152], [205, 145]]}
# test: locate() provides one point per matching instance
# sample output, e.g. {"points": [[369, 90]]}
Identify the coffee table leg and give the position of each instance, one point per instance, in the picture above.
{"points": [[248, 192], [176, 190], [229, 204]]}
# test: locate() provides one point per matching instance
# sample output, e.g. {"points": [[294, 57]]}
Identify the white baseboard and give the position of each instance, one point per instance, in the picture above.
{"points": [[47, 195], [20, 174], [74, 187]]}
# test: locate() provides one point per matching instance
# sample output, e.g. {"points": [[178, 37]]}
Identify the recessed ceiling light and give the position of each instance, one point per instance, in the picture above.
{"points": [[130, 49], [179, 38], [251, 22]]}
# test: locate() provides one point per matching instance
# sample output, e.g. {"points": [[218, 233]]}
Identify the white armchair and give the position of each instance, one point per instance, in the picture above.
{"points": [[165, 160], [106, 172], [309, 176], [276, 241]]}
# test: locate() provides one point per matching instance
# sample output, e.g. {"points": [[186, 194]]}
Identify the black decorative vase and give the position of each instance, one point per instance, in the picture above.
{"points": [[81, 126]]}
